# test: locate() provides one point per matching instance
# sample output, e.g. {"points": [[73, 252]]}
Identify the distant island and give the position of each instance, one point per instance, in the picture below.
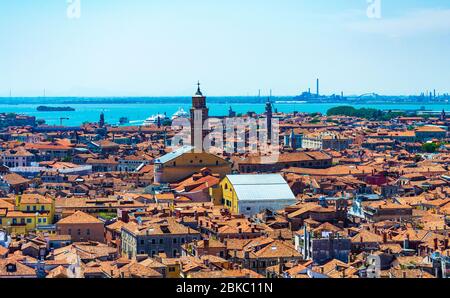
{"points": [[54, 109]]}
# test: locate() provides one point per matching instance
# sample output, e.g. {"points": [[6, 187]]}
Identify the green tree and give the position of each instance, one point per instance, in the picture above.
{"points": [[430, 147]]}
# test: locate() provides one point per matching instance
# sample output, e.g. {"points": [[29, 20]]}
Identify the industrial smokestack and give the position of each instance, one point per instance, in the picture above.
{"points": [[318, 93]]}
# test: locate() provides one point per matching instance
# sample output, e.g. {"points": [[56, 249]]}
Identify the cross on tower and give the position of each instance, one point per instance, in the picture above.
{"points": [[199, 92]]}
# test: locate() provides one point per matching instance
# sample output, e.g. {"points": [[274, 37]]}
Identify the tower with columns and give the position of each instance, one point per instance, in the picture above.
{"points": [[199, 114]]}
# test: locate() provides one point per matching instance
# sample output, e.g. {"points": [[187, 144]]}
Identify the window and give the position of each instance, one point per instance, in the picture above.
{"points": [[142, 242], [70, 231], [153, 241], [42, 208], [29, 220], [174, 240], [28, 208], [79, 231], [226, 185], [39, 220], [248, 208], [34, 208], [161, 241], [88, 232], [171, 269]]}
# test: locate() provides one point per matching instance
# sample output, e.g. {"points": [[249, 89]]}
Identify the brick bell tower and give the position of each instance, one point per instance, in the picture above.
{"points": [[199, 114]]}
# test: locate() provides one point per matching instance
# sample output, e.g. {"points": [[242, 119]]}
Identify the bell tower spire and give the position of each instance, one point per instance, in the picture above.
{"points": [[199, 92], [199, 114]]}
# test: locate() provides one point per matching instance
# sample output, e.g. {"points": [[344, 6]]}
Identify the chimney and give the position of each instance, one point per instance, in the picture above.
{"points": [[246, 255], [140, 258], [435, 243], [206, 243], [404, 274], [317, 87], [280, 266]]}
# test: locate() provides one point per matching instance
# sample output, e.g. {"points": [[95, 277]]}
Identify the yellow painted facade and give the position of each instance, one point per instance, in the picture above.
{"points": [[227, 196], [173, 271], [30, 211], [188, 164]]}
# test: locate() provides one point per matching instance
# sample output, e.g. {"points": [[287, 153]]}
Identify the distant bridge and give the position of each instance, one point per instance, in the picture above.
{"points": [[369, 95]]}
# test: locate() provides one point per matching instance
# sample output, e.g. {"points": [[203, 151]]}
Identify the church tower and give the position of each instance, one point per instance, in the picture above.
{"points": [[199, 114], [269, 115], [443, 115], [101, 122]]}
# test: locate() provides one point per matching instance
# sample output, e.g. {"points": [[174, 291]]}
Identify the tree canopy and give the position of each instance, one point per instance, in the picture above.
{"points": [[366, 113]]}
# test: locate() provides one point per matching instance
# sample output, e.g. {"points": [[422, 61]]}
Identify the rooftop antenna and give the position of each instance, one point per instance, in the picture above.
{"points": [[259, 92]]}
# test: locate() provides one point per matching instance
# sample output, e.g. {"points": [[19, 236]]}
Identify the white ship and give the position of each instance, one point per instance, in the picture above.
{"points": [[180, 114], [154, 119]]}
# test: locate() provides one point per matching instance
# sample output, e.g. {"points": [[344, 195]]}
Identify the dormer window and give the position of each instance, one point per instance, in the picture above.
{"points": [[11, 267]]}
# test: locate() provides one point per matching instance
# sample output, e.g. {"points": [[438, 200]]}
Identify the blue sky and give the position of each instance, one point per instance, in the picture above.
{"points": [[235, 47]]}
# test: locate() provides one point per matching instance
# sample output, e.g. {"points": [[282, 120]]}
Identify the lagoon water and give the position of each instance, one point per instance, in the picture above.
{"points": [[138, 112]]}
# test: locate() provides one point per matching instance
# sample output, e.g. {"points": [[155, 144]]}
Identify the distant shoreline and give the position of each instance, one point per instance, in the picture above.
{"points": [[282, 100], [54, 109]]}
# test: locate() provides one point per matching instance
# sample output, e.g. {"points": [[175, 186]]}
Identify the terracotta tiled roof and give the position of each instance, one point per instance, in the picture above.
{"points": [[79, 217]]}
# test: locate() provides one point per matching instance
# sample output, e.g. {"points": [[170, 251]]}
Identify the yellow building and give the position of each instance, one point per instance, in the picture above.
{"points": [[26, 213], [184, 162], [226, 196]]}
